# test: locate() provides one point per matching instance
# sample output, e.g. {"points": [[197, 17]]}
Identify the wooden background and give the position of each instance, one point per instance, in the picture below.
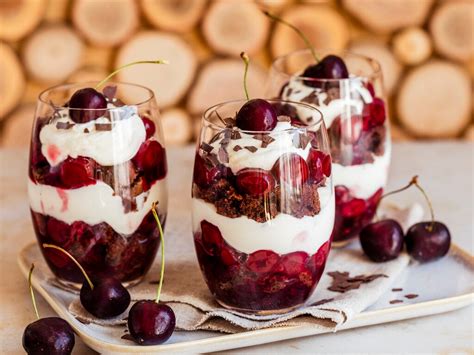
{"points": [[426, 49]]}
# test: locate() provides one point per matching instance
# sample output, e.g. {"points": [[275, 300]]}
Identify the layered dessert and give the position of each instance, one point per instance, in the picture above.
{"points": [[360, 144], [263, 206], [93, 176]]}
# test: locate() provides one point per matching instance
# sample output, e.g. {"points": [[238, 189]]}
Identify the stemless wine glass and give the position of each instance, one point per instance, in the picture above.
{"points": [[355, 114], [263, 208], [92, 182]]}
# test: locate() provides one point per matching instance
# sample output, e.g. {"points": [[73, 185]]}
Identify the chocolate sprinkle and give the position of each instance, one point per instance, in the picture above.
{"points": [[237, 148], [251, 148], [396, 301], [411, 296], [127, 337], [206, 147], [103, 126], [109, 92], [342, 282], [323, 301], [312, 98], [397, 289], [223, 155], [64, 125]]}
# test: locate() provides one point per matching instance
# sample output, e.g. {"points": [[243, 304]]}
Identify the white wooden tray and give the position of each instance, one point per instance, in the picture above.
{"points": [[442, 286]]}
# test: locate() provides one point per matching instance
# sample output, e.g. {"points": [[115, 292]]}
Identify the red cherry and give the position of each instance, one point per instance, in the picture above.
{"points": [[353, 208], [319, 164], [211, 238], [89, 104], [374, 114], [262, 261], [150, 127], [255, 182], [151, 323], [256, 115], [317, 260], [229, 257], [151, 159], [58, 231], [292, 169], [294, 263], [204, 175], [78, 172], [371, 89]]}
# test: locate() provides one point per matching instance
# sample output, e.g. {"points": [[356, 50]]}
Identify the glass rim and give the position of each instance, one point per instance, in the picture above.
{"points": [[65, 86], [222, 126], [375, 72]]}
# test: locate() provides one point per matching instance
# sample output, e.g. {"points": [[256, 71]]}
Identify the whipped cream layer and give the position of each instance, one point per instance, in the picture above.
{"points": [[283, 234], [263, 158], [365, 179], [107, 147], [94, 204], [353, 96]]}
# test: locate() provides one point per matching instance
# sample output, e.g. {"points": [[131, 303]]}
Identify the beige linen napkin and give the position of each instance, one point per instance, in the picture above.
{"points": [[186, 292]]}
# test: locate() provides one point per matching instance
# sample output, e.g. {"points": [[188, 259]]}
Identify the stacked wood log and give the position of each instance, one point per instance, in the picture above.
{"points": [[425, 47]]}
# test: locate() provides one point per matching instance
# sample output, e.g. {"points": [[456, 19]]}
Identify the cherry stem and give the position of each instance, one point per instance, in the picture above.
{"points": [[246, 60], [31, 291], [414, 181], [91, 285], [162, 272], [297, 30], [159, 61]]}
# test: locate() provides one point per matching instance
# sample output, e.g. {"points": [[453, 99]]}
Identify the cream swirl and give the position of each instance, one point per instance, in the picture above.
{"points": [[107, 147]]}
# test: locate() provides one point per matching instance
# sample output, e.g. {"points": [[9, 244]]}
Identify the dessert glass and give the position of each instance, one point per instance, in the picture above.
{"points": [[263, 208], [355, 114], [91, 185]]}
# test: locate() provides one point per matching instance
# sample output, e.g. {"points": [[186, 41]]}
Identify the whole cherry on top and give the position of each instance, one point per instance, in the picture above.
{"points": [[88, 104], [149, 321], [52, 335], [425, 241], [255, 114], [104, 298], [330, 67]]}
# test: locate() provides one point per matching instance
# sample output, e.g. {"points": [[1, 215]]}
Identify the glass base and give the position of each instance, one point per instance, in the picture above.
{"points": [[259, 312], [343, 243], [75, 286]]}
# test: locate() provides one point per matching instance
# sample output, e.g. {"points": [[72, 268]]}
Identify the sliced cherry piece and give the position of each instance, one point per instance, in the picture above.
{"points": [[317, 260], [204, 174], [353, 208], [58, 230], [319, 165], [150, 127], [427, 241], [229, 257], [51, 335], [107, 299], [90, 105], [78, 172], [292, 169], [330, 67], [256, 115], [294, 263], [382, 241], [151, 159], [255, 182], [262, 261], [374, 114], [211, 238], [151, 323]]}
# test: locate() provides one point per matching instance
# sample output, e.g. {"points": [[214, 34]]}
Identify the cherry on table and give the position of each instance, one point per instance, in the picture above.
{"points": [[86, 105], [256, 115], [427, 241], [382, 241], [52, 336]]}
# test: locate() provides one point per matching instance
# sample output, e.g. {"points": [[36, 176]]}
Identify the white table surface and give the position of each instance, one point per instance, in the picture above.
{"points": [[445, 170]]}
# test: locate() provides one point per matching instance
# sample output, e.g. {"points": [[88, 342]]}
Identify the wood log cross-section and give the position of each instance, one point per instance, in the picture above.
{"points": [[17, 129], [434, 100], [173, 15], [105, 23], [53, 53], [12, 80], [177, 126], [169, 82], [19, 18], [412, 46], [231, 27]]}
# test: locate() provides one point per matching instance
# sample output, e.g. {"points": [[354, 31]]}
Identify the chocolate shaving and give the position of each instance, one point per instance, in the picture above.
{"points": [[235, 135], [396, 301], [103, 126], [118, 103], [223, 155], [225, 141], [342, 282], [228, 121], [332, 94], [237, 148], [64, 125], [206, 147], [411, 296], [323, 301], [397, 289], [309, 119], [154, 282], [304, 141], [312, 98], [267, 140], [109, 92], [86, 130], [127, 337], [251, 148], [283, 118], [82, 320], [289, 91], [211, 159]]}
